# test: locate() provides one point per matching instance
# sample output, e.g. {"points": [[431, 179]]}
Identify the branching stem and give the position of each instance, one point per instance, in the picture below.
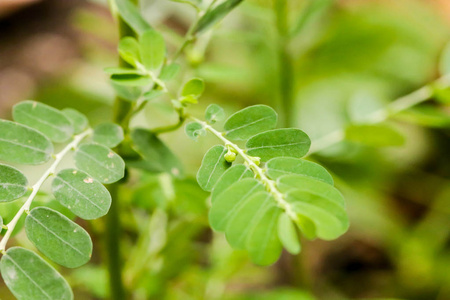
{"points": [[35, 188]]}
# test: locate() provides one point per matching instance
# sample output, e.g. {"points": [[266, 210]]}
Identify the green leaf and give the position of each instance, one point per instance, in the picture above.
{"points": [[46, 119], [213, 16], [13, 184], [130, 93], [132, 16], [78, 120], [214, 113], [288, 183], [157, 156], [60, 239], [287, 234], [250, 121], [29, 277], [1, 223], [377, 135], [227, 203], [108, 134], [329, 218], [430, 116], [100, 162], [280, 166], [83, 195], [169, 71], [288, 142], [444, 64], [122, 71], [129, 50], [131, 80], [193, 87], [23, 145], [194, 130], [232, 175], [213, 166], [152, 49], [152, 94]]}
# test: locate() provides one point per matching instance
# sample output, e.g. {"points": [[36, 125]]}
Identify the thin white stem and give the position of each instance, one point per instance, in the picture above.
{"points": [[35, 188], [398, 105], [259, 172]]}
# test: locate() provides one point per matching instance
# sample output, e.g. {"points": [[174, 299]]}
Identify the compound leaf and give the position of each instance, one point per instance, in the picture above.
{"points": [[30, 277], [46, 119], [108, 134], [250, 121], [100, 162], [60, 239], [152, 49], [215, 15], [157, 157], [194, 130], [13, 184], [78, 120], [129, 50], [131, 15], [214, 113], [213, 166], [280, 166], [376, 135], [232, 175], [288, 142], [287, 234], [23, 145], [81, 194]]}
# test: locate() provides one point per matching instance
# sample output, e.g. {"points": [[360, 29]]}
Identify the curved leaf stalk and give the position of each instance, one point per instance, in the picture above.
{"points": [[35, 188], [398, 105], [253, 163]]}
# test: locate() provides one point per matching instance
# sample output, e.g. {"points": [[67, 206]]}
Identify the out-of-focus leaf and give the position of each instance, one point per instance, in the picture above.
{"points": [[108, 134], [100, 162], [46, 119], [287, 234], [81, 194], [444, 63], [194, 130], [130, 93], [78, 120], [152, 94], [29, 277], [169, 71], [250, 121], [13, 184], [377, 135], [288, 142], [214, 113], [131, 80], [152, 49], [132, 16], [194, 87], [213, 166], [122, 71], [129, 50], [60, 239], [426, 116], [23, 145], [216, 14]]}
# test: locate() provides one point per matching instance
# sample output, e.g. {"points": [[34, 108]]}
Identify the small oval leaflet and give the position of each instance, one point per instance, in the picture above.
{"points": [[194, 130], [279, 142], [46, 119], [213, 166], [78, 120], [214, 113], [250, 121], [194, 87], [60, 239], [129, 50], [81, 194], [232, 175], [108, 134], [30, 277], [169, 71], [13, 184], [23, 145], [152, 49], [100, 162], [280, 166], [287, 234]]}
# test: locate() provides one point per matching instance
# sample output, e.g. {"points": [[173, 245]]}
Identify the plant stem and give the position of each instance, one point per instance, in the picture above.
{"points": [[285, 63], [398, 105], [35, 188]]}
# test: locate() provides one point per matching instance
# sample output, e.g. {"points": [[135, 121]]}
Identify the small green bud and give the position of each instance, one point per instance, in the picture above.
{"points": [[230, 156], [190, 99], [256, 160]]}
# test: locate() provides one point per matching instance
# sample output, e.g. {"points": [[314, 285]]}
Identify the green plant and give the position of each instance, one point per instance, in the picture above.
{"points": [[263, 192]]}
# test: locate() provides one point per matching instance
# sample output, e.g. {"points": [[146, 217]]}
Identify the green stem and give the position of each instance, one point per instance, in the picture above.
{"points": [[285, 63]]}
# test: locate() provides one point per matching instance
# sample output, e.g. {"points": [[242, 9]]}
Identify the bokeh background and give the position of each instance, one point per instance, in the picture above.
{"points": [[367, 52]]}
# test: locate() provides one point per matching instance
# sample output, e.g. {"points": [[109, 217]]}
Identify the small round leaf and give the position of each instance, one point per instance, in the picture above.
{"points": [[108, 134], [78, 120], [214, 113], [13, 184], [194, 130], [193, 87]]}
